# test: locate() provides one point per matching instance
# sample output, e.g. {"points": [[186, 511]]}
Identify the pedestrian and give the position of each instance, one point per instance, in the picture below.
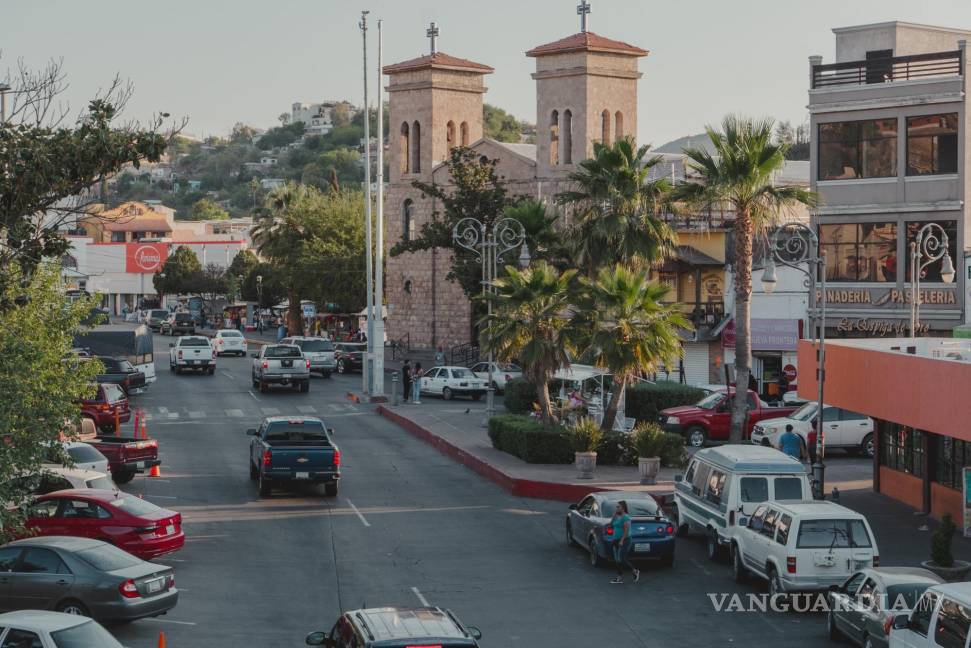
{"points": [[406, 379], [281, 332], [416, 384], [259, 322], [440, 356], [811, 440], [791, 443], [620, 524]]}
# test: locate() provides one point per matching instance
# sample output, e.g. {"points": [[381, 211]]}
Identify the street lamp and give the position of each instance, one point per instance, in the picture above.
{"points": [[792, 245], [931, 242], [489, 245], [259, 302]]}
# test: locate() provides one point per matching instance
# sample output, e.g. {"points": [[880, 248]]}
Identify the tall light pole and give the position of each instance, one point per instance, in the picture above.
{"points": [[931, 242], [378, 308], [367, 371], [259, 302], [489, 245], [793, 245], [4, 89]]}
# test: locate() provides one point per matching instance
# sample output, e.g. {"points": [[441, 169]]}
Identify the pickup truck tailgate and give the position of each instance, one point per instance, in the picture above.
{"points": [[284, 459]]}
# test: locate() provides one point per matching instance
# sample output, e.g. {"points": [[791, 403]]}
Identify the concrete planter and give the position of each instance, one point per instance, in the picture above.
{"points": [[953, 574], [648, 468], [586, 463]]}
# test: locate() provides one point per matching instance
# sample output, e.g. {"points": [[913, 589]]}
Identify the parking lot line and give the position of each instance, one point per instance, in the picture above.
{"points": [[253, 395], [421, 597], [157, 620], [307, 409], [358, 513], [197, 415], [235, 413], [269, 411], [227, 374]]}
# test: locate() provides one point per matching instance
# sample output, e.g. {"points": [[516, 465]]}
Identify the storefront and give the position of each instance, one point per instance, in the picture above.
{"points": [[774, 354]]}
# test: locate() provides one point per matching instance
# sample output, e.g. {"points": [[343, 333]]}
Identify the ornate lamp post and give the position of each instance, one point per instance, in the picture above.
{"points": [[792, 245], [489, 245], [932, 243]]}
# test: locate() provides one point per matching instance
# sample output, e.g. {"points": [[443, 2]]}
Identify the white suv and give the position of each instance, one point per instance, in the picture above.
{"points": [[843, 428], [802, 546]]}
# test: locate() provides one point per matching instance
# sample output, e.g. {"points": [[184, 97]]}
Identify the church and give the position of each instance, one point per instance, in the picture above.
{"points": [[586, 91]]}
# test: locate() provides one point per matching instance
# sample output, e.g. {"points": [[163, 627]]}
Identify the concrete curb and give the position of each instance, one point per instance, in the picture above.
{"points": [[519, 487]]}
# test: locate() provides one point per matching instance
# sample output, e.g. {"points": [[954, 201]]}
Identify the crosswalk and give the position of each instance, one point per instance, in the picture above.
{"points": [[184, 414]]}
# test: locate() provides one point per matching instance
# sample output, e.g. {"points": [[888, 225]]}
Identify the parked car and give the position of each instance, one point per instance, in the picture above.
{"points": [[842, 428], [108, 406], [178, 324], [155, 317], [398, 626], [349, 356], [288, 449], [862, 609], [941, 617], [802, 546], [122, 372], [452, 381], [192, 353], [280, 364], [127, 456], [52, 478], [126, 521], [721, 484], [83, 456], [319, 351], [710, 418], [81, 576], [39, 629], [227, 341], [652, 534], [502, 372]]}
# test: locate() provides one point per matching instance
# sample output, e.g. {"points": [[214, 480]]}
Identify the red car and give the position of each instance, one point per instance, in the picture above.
{"points": [[128, 522], [108, 403]]}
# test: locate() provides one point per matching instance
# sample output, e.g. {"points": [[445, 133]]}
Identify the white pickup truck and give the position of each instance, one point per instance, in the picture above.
{"points": [[192, 352], [281, 364]]}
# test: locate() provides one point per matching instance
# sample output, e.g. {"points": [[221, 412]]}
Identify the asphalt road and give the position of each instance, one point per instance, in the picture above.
{"points": [[408, 526]]}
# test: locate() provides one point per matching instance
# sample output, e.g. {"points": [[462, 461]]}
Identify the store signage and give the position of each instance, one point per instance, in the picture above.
{"points": [[767, 334], [884, 296], [874, 327], [145, 258], [789, 371]]}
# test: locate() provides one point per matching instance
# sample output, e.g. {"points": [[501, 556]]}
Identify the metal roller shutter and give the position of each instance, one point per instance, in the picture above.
{"points": [[696, 363]]}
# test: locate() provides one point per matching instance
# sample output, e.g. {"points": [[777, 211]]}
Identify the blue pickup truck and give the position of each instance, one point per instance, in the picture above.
{"points": [[294, 449]]}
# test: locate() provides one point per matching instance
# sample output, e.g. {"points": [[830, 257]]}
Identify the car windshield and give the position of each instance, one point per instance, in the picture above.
{"points": [[710, 401], [636, 507], [85, 635], [194, 342], [113, 393], [183, 318], [297, 432], [282, 352], [835, 534], [102, 482], [159, 313], [135, 505], [805, 412], [83, 453], [107, 558], [229, 334], [317, 345], [462, 372]]}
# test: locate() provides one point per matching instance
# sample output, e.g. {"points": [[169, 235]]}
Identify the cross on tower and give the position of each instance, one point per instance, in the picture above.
{"points": [[432, 33], [582, 10]]}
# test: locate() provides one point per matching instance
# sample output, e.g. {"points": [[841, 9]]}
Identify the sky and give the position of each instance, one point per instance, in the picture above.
{"points": [[218, 62]]}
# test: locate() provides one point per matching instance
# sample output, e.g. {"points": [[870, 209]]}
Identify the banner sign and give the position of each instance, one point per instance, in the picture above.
{"points": [[767, 334], [145, 258]]}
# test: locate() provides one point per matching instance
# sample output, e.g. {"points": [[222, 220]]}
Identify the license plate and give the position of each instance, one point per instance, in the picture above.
{"points": [[642, 547], [303, 475], [140, 465], [154, 586], [169, 529], [287, 375]]}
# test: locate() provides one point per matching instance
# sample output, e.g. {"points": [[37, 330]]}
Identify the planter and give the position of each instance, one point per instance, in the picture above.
{"points": [[954, 573], [585, 462], [648, 468]]}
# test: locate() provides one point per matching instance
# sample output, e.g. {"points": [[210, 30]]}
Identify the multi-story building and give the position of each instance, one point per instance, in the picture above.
{"points": [[317, 118], [889, 154]]}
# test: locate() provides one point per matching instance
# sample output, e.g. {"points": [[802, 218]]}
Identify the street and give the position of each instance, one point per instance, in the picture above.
{"points": [[409, 526]]}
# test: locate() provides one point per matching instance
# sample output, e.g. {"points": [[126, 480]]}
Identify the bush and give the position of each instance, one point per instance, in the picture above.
{"points": [[520, 394], [585, 435], [941, 542], [617, 449], [526, 438], [644, 401], [672, 451]]}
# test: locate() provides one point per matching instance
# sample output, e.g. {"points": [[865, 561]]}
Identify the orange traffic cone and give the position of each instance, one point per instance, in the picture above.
{"points": [[161, 640], [144, 429], [155, 471]]}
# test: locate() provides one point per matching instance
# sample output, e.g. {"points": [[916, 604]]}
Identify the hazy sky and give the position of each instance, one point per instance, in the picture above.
{"points": [[222, 61]]}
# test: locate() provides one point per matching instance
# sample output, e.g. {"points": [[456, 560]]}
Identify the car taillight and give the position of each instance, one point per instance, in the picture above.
{"points": [[266, 365], [791, 564], [267, 457], [337, 457], [171, 581], [876, 560], [105, 407], [609, 531], [128, 589], [670, 530], [888, 625], [308, 363], [180, 355]]}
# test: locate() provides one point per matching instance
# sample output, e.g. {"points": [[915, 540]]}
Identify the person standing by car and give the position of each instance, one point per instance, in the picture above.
{"points": [[620, 525], [811, 442], [406, 379], [416, 384], [791, 443]]}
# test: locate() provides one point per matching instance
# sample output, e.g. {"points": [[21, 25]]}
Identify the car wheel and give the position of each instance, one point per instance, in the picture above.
{"points": [[263, 386], [446, 393], [264, 484], [867, 446], [570, 540], [831, 629], [211, 371], [340, 367], [595, 559], [72, 606], [738, 567], [713, 549], [304, 386], [330, 489], [696, 436], [256, 383], [775, 583], [178, 370], [172, 368], [123, 477]]}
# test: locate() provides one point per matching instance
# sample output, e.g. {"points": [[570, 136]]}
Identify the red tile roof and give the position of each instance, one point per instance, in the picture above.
{"points": [[586, 41], [438, 60]]}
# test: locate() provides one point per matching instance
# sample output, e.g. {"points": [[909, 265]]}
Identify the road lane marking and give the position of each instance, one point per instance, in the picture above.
{"points": [[701, 567], [250, 392], [269, 411], [358, 513], [205, 537], [156, 620], [163, 410], [334, 406], [236, 413], [307, 409], [197, 415], [227, 374], [421, 597], [151, 496]]}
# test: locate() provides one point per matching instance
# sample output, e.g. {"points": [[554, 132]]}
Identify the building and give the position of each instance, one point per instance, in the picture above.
{"points": [[318, 118], [889, 133], [130, 221]]}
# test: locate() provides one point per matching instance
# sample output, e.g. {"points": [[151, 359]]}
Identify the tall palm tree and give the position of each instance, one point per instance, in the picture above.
{"points": [[739, 174], [529, 322], [617, 208], [625, 327]]}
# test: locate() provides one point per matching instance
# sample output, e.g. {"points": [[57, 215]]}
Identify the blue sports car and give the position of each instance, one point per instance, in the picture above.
{"points": [[652, 534]]}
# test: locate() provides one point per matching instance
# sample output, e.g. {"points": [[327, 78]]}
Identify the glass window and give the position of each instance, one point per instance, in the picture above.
{"points": [[462, 372], [700, 479], [8, 558], [920, 619], [837, 534], [860, 251], [831, 414], [103, 483], [82, 509], [296, 432], [282, 352], [901, 448], [230, 334], [932, 144], [22, 639], [783, 524], [83, 453], [42, 561], [83, 636], [711, 401], [135, 505], [865, 596], [953, 622], [637, 507], [904, 597], [787, 488], [316, 346], [43, 510], [51, 483], [194, 342], [754, 489], [758, 518], [688, 476], [768, 526], [716, 485], [858, 149], [952, 456], [932, 272], [847, 415], [853, 582]]}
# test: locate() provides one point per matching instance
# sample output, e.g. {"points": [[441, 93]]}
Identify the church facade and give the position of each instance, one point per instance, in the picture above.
{"points": [[586, 91]]}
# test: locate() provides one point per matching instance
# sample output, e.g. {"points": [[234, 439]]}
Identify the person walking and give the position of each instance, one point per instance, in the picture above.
{"points": [[791, 443], [620, 525], [440, 356], [406, 379], [416, 384], [811, 439]]}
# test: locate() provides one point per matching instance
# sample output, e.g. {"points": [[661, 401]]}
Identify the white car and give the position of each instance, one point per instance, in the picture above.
{"points": [[940, 618], [55, 478], [39, 629], [452, 381], [86, 456], [843, 428], [501, 373], [229, 341]]}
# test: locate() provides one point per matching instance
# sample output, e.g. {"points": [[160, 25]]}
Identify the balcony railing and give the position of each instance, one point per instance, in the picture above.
{"points": [[704, 315], [888, 69]]}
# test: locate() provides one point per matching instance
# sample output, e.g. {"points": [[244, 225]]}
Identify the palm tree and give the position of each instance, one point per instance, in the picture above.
{"points": [[617, 208], [626, 328], [739, 173], [542, 237], [529, 323]]}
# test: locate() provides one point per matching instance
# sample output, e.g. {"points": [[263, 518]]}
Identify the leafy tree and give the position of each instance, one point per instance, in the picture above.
{"points": [[543, 240], [739, 174], [242, 264], [282, 135], [341, 114], [242, 133], [39, 388], [206, 209], [209, 283], [177, 272], [272, 291], [500, 125]]}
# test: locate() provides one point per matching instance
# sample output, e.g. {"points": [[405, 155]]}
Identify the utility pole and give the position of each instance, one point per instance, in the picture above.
{"points": [[378, 326], [367, 369]]}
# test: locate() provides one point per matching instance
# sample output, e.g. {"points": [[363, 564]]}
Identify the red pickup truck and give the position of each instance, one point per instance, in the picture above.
{"points": [[710, 418], [126, 455], [108, 405]]}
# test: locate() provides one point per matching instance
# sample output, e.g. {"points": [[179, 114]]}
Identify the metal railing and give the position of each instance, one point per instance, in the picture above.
{"points": [[704, 219], [464, 355], [401, 346], [888, 69]]}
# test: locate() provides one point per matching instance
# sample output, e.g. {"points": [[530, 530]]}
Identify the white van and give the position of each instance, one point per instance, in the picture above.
{"points": [[942, 617], [803, 546], [725, 482]]}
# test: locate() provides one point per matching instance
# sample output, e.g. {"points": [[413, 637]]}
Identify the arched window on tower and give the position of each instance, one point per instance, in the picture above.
{"points": [[619, 125], [404, 149], [407, 220], [450, 135], [465, 133], [555, 138], [416, 147], [567, 137], [605, 126]]}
